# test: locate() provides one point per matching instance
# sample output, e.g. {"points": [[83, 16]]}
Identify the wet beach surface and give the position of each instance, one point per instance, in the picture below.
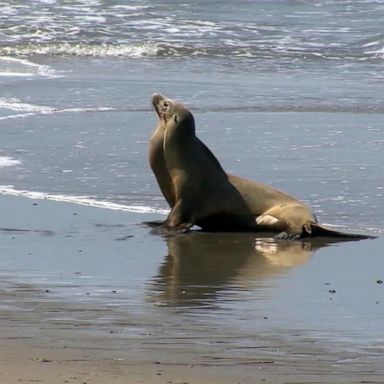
{"points": [[98, 285]]}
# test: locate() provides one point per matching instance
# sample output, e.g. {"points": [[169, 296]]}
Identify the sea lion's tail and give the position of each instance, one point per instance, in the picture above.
{"points": [[319, 230]]}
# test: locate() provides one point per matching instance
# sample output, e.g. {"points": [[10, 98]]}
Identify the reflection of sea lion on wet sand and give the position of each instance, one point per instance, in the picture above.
{"points": [[201, 193], [190, 275]]}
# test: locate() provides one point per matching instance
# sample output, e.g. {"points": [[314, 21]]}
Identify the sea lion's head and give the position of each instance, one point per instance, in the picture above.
{"points": [[174, 116]]}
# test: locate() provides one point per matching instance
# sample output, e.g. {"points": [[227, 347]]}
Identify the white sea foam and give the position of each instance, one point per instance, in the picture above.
{"points": [[14, 74], [83, 50], [6, 161], [17, 105], [378, 53], [130, 7], [12, 66], [28, 109], [86, 109], [18, 116], [81, 200]]}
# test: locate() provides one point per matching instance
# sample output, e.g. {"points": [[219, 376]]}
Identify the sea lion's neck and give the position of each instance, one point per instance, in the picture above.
{"points": [[179, 138]]}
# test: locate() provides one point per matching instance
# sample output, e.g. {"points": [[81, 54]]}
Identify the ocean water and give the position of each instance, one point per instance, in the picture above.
{"points": [[288, 93]]}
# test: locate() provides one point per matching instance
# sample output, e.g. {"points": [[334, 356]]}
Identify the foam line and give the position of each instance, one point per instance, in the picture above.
{"points": [[81, 200], [6, 161], [30, 68]]}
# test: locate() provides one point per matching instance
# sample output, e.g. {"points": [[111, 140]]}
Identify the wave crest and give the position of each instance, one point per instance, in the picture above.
{"points": [[83, 50], [368, 51]]}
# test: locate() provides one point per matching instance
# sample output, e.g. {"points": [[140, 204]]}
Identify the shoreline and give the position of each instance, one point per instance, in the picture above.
{"points": [[69, 315]]}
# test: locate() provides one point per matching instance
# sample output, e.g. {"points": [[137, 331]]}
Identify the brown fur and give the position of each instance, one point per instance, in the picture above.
{"points": [[201, 193]]}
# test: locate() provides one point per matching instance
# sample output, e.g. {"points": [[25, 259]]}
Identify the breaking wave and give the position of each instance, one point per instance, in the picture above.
{"points": [[224, 49], [83, 50], [105, 29]]}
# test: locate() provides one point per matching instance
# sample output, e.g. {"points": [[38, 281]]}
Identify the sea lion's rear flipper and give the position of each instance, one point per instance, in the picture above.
{"points": [[319, 230]]}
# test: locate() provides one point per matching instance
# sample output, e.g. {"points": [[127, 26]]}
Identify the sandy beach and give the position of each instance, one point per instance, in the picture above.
{"points": [[70, 312]]}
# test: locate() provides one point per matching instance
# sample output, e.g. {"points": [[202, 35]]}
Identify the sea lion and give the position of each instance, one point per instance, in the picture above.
{"points": [[157, 163], [201, 193]]}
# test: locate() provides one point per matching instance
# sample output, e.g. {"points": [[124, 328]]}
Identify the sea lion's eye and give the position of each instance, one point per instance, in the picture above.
{"points": [[165, 107], [175, 118]]}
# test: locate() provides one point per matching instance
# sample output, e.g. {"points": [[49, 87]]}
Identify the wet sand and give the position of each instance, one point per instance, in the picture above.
{"points": [[89, 295]]}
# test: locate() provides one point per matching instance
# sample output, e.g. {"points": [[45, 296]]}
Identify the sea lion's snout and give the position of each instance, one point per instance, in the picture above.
{"points": [[157, 98], [161, 104]]}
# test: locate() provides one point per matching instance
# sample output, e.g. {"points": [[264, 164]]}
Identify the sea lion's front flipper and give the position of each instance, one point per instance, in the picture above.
{"points": [[179, 219]]}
